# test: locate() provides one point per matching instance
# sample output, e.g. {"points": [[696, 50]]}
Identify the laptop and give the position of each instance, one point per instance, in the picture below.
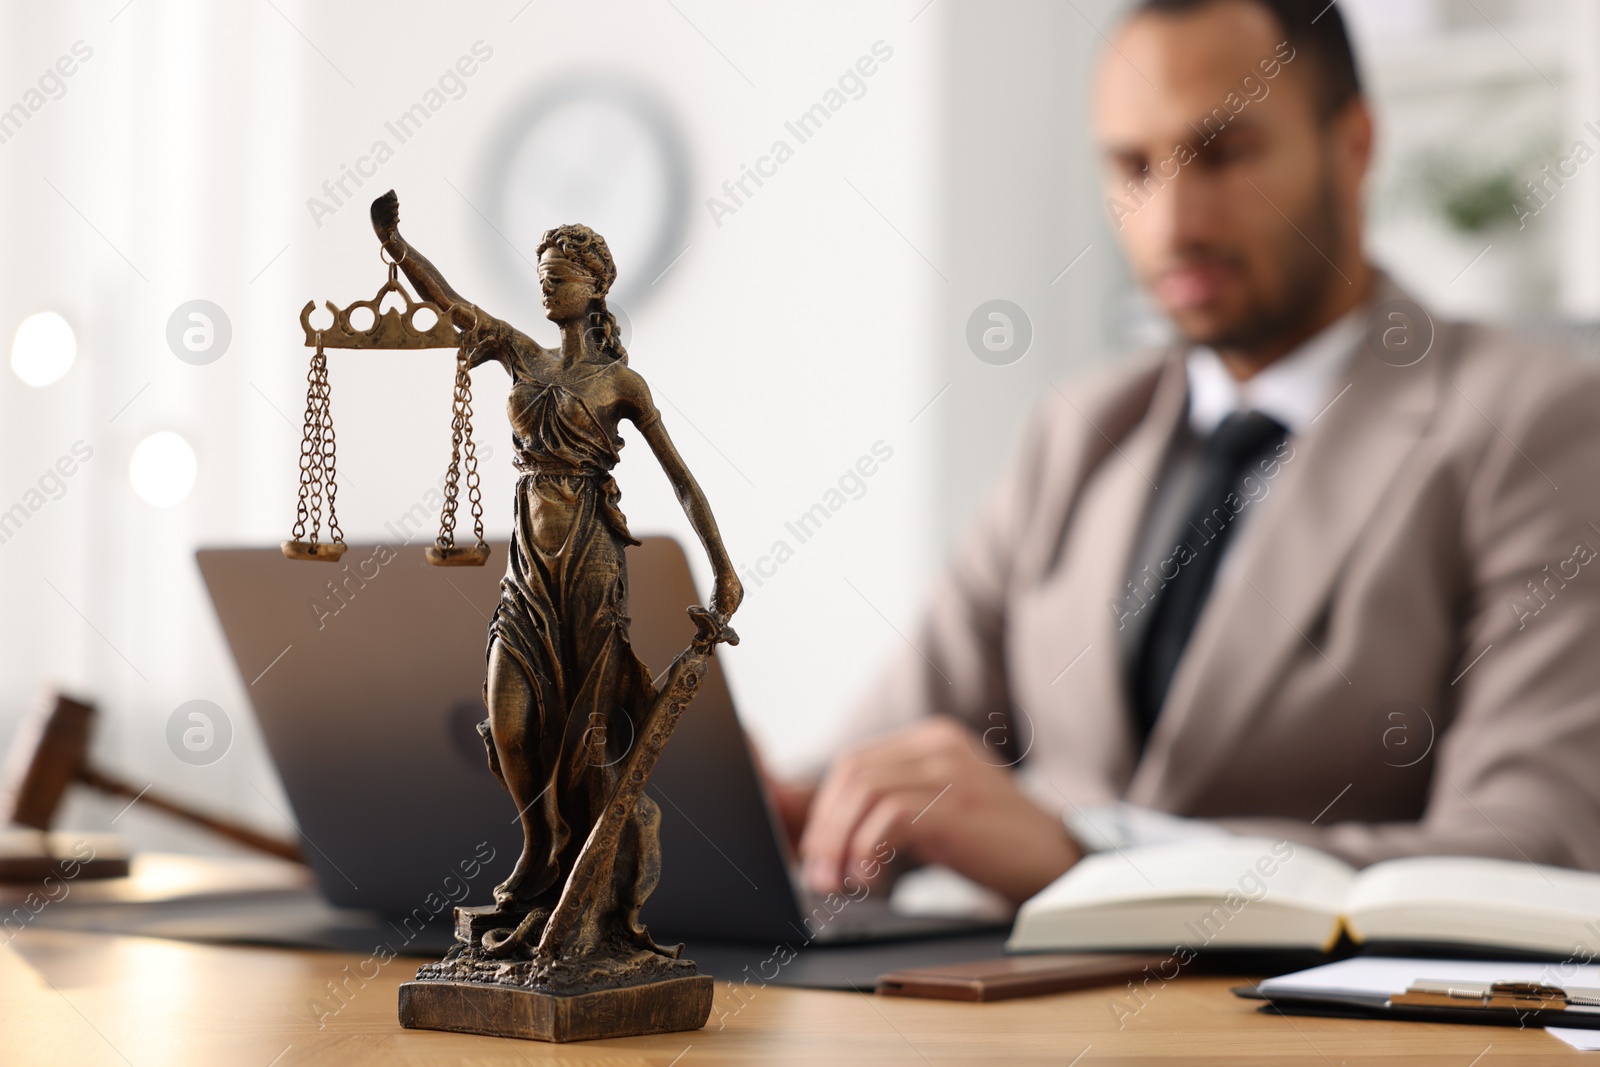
{"points": [[366, 679]]}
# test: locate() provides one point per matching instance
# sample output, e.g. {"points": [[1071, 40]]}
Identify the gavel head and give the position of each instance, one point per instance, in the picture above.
{"points": [[46, 756]]}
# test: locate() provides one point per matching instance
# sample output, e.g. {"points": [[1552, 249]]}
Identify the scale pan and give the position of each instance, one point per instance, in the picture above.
{"points": [[314, 551], [476, 556]]}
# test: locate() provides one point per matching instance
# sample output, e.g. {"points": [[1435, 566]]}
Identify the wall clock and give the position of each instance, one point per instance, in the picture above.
{"points": [[607, 154]]}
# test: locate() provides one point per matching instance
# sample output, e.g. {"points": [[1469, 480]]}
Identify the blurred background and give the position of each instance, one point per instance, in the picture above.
{"points": [[177, 179]]}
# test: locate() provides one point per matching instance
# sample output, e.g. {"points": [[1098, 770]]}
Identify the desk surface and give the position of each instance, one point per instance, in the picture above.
{"points": [[92, 999]]}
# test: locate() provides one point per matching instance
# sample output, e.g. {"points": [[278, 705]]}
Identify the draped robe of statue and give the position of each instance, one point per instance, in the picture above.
{"points": [[562, 617]]}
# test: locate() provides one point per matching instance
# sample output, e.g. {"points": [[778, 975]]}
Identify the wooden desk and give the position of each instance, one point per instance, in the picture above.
{"points": [[91, 999]]}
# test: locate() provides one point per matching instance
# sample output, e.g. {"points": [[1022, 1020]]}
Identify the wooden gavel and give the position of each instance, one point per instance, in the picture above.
{"points": [[51, 751]]}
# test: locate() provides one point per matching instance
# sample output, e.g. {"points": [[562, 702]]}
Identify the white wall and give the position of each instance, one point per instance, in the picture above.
{"points": [[158, 176], [1021, 205], [781, 346]]}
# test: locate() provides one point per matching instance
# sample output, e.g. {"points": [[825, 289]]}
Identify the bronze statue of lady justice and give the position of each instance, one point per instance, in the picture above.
{"points": [[561, 954]]}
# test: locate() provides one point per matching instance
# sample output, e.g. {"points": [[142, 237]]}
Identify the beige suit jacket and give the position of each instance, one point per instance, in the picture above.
{"points": [[1401, 657]]}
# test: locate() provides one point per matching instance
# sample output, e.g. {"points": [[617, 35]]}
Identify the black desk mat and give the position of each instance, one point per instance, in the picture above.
{"points": [[300, 918]]}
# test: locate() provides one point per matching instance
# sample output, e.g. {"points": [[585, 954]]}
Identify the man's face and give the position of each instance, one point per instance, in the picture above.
{"points": [[1259, 197]]}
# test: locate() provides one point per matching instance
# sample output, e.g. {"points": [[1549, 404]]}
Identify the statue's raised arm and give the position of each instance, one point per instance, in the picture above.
{"points": [[429, 283]]}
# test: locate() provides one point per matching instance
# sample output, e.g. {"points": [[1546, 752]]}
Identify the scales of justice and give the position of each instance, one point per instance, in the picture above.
{"points": [[560, 954]]}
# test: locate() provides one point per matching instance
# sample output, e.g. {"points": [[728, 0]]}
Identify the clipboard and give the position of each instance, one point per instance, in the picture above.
{"points": [[1439, 991]]}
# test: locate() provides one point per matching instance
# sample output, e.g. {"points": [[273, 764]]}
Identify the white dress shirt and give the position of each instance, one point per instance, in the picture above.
{"points": [[1294, 389]]}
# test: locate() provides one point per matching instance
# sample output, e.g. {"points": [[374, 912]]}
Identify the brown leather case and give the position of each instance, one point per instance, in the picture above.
{"points": [[1017, 976]]}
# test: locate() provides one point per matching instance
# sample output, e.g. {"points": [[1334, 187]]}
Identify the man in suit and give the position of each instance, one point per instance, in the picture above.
{"points": [[1321, 571]]}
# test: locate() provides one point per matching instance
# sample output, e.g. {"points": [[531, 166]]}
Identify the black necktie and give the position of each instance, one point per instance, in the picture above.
{"points": [[1242, 439]]}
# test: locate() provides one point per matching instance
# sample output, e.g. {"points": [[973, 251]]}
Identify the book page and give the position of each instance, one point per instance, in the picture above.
{"points": [[1254, 867], [1216, 893], [1471, 900]]}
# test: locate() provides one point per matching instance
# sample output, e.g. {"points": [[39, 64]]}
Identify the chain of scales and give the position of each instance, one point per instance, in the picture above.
{"points": [[390, 329]]}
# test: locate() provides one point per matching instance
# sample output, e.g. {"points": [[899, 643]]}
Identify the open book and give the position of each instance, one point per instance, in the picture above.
{"points": [[1246, 892]]}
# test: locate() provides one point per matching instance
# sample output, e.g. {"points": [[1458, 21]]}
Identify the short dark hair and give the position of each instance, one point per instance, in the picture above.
{"points": [[1312, 27]]}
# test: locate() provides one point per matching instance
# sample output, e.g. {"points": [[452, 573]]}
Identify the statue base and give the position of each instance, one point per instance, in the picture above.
{"points": [[619, 991], [660, 1007]]}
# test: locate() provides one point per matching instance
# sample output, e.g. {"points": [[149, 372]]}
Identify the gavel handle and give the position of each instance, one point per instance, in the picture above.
{"points": [[106, 784]]}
